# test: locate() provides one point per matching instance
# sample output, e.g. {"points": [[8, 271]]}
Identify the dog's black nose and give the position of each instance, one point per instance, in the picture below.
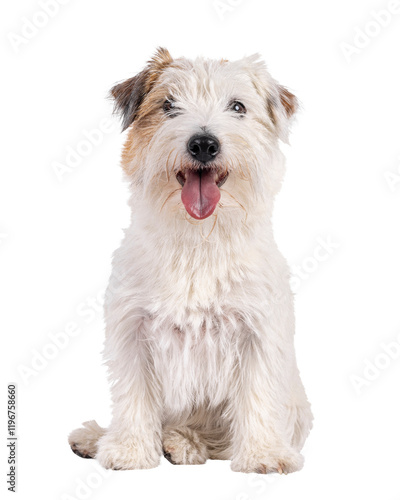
{"points": [[203, 147]]}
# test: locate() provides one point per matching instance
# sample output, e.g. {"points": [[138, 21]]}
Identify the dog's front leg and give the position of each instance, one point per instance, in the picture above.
{"points": [[133, 440], [261, 394]]}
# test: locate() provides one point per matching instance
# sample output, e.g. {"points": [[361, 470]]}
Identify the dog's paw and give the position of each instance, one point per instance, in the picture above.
{"points": [[183, 445], [281, 461], [126, 454], [83, 441]]}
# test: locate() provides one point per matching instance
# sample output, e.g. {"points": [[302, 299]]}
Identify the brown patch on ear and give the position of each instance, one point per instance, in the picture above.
{"points": [[271, 105], [288, 100], [129, 95], [281, 106]]}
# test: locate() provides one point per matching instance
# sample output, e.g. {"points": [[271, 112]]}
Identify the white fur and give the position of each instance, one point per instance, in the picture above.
{"points": [[199, 314]]}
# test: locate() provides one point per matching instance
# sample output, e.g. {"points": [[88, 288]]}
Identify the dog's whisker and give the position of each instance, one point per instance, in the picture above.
{"points": [[173, 165], [166, 164], [247, 168], [239, 164], [168, 197], [238, 202], [244, 176], [205, 238], [191, 221]]}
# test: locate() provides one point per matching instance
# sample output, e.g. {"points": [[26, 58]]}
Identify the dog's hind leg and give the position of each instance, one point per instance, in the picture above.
{"points": [[201, 436], [218, 443], [183, 445], [83, 441]]}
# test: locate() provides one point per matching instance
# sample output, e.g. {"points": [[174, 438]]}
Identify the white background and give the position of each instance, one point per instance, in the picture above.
{"points": [[57, 237]]}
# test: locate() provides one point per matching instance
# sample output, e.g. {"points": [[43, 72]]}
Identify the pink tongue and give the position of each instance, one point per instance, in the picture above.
{"points": [[200, 193]]}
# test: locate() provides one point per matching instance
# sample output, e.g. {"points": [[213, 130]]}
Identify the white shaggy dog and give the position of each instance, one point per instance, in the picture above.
{"points": [[199, 312]]}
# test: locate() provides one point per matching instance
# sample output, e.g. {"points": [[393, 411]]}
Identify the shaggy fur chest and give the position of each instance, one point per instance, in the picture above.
{"points": [[195, 362], [188, 278]]}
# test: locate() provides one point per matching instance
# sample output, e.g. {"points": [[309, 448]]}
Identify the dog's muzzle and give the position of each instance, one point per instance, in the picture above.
{"points": [[200, 184]]}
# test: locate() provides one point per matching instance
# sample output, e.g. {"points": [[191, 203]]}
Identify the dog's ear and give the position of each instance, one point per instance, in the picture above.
{"points": [[288, 101], [129, 94], [282, 106]]}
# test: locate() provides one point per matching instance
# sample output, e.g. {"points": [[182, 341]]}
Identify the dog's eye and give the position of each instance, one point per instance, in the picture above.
{"points": [[170, 108], [238, 107], [168, 105]]}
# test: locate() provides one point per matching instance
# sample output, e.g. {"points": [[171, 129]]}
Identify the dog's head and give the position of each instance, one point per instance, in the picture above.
{"points": [[203, 134]]}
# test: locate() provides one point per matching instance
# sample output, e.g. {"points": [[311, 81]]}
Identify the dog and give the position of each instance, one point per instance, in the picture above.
{"points": [[199, 312]]}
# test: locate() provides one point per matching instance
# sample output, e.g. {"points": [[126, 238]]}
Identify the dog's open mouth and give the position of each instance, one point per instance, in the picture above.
{"points": [[200, 190]]}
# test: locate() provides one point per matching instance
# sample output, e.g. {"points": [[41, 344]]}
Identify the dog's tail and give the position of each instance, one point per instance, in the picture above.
{"points": [[83, 441]]}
